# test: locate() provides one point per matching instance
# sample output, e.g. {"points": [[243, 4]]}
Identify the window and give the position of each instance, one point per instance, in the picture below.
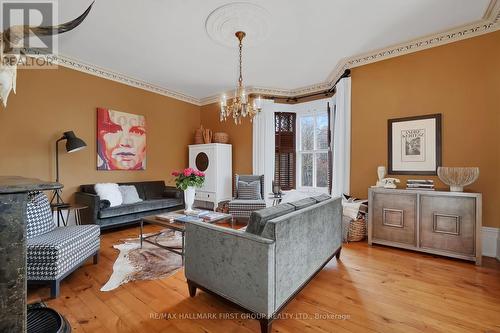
{"points": [[312, 150], [285, 164]]}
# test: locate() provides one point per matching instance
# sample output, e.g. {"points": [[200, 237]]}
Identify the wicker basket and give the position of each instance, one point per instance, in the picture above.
{"points": [[356, 230], [221, 137]]}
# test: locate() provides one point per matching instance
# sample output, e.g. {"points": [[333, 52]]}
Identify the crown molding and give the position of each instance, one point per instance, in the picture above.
{"points": [[489, 23], [484, 26], [122, 78]]}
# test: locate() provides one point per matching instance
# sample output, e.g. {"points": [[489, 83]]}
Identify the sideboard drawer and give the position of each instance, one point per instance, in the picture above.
{"points": [[204, 196], [448, 223], [394, 218]]}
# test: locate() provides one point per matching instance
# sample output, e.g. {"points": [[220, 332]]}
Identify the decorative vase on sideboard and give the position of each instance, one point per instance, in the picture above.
{"points": [[458, 178], [189, 194]]}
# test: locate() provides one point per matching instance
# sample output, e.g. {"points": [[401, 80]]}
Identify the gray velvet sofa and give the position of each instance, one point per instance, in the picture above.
{"points": [[261, 269], [157, 198]]}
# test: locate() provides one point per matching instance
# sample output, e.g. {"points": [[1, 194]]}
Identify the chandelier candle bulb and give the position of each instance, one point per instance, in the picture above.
{"points": [[258, 103]]}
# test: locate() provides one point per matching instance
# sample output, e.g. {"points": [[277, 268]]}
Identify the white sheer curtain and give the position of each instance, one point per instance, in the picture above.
{"points": [[342, 138], [263, 144]]}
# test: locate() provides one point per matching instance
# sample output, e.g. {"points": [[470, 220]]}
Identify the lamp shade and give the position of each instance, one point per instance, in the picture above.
{"points": [[73, 143]]}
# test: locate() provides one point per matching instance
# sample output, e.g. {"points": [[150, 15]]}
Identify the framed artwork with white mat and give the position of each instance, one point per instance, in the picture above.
{"points": [[414, 145]]}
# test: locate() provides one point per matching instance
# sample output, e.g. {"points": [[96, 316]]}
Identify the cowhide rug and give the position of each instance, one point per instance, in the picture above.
{"points": [[148, 263]]}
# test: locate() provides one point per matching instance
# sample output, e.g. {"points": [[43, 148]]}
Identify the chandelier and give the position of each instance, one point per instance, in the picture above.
{"points": [[241, 105]]}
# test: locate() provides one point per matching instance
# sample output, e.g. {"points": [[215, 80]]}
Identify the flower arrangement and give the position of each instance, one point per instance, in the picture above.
{"points": [[188, 177]]}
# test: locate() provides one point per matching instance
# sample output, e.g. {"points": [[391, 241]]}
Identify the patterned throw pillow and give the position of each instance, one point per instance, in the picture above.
{"points": [[249, 191], [38, 215]]}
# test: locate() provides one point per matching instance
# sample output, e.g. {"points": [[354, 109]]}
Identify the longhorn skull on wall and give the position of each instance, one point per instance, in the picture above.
{"points": [[13, 38]]}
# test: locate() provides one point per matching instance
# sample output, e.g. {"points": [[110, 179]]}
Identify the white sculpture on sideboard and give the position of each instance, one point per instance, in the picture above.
{"points": [[381, 171]]}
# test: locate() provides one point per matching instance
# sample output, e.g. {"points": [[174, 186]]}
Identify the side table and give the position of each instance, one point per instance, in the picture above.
{"points": [[276, 198], [75, 208]]}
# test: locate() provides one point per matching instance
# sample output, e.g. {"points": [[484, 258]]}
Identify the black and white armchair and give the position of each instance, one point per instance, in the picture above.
{"points": [[54, 252], [249, 195]]}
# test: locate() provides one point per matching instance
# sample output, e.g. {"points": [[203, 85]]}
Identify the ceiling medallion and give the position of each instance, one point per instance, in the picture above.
{"points": [[241, 105], [224, 21]]}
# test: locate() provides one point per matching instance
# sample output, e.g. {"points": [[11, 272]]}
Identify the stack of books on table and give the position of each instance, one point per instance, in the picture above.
{"points": [[420, 184], [212, 216]]}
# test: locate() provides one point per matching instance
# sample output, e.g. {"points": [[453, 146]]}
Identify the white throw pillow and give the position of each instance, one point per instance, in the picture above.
{"points": [[110, 192], [129, 194]]}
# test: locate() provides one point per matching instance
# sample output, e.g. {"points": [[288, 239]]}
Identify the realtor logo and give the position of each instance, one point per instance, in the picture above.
{"points": [[26, 25]]}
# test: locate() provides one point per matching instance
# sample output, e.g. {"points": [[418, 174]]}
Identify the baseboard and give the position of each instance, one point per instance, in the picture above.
{"points": [[490, 238]]}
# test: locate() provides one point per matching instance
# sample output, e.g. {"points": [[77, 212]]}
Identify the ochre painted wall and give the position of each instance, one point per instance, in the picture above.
{"points": [[459, 80], [49, 102], [240, 136]]}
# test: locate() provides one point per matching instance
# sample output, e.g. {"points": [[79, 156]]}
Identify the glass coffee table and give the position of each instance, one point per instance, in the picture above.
{"points": [[175, 226]]}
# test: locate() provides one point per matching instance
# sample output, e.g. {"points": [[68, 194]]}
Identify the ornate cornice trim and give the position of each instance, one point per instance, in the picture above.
{"points": [[489, 23], [472, 30], [122, 78]]}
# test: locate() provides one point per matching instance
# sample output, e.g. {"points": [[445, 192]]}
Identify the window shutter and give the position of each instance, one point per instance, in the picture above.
{"points": [[285, 159]]}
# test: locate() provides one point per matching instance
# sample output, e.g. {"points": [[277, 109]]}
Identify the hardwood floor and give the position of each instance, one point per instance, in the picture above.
{"points": [[371, 289]]}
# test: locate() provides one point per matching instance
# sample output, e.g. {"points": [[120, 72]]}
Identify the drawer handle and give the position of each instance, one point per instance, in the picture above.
{"points": [[446, 224], [393, 218]]}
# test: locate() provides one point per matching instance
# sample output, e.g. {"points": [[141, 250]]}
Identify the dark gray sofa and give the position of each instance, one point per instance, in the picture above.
{"points": [[157, 197]]}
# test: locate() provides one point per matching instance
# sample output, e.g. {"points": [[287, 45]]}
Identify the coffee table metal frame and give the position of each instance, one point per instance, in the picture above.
{"points": [[175, 227]]}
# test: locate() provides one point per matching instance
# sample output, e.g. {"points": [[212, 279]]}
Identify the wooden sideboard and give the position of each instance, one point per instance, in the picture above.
{"points": [[438, 222]]}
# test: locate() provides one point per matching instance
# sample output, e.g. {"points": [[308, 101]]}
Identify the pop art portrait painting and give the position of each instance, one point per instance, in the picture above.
{"points": [[121, 140]]}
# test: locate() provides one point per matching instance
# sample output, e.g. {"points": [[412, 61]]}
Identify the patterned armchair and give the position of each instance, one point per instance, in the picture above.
{"points": [[241, 206], [53, 253]]}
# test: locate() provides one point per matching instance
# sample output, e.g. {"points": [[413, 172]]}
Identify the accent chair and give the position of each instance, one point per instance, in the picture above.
{"points": [[55, 252], [241, 207]]}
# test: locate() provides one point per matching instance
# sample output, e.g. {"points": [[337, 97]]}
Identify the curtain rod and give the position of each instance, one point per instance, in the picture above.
{"points": [[325, 93]]}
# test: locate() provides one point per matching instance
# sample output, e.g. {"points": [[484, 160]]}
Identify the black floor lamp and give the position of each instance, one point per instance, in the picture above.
{"points": [[73, 143]]}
